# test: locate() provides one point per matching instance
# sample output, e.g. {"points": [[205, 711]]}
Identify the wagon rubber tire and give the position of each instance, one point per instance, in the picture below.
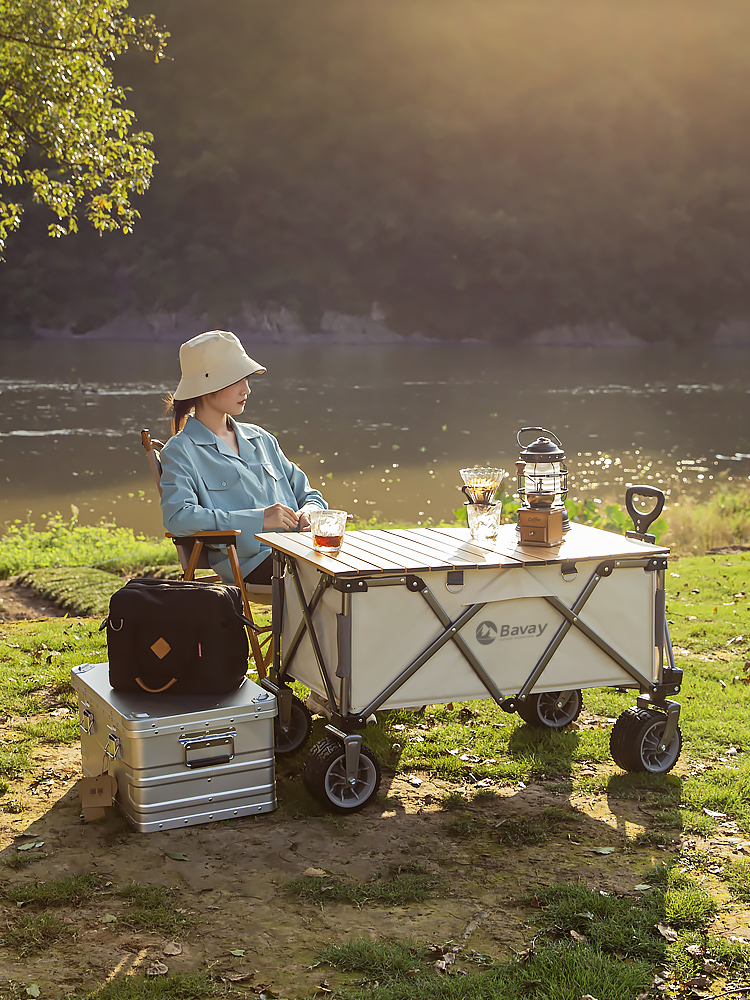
{"points": [[324, 777], [552, 709], [300, 727], [635, 739]]}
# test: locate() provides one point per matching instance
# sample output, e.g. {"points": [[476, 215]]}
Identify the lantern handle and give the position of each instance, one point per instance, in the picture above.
{"points": [[544, 429]]}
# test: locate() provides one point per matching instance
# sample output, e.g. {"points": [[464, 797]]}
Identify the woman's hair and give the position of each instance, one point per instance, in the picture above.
{"points": [[178, 410]]}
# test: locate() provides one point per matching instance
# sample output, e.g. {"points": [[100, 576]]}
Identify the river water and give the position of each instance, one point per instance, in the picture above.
{"points": [[382, 430]]}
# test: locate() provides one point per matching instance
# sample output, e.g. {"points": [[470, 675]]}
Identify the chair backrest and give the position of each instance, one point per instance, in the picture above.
{"points": [[153, 453]]}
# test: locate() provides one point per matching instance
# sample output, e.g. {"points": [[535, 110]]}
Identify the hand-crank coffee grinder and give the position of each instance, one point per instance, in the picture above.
{"points": [[542, 488]]}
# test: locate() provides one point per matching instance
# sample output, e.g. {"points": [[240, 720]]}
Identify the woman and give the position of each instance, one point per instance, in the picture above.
{"points": [[218, 474]]}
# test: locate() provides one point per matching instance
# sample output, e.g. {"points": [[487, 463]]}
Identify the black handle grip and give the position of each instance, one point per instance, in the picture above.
{"points": [[642, 521]]}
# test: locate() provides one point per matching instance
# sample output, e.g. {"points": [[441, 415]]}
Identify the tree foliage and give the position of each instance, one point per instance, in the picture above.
{"points": [[65, 133]]}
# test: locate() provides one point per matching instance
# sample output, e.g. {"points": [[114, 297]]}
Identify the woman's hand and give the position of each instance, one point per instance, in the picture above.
{"points": [[279, 517]]}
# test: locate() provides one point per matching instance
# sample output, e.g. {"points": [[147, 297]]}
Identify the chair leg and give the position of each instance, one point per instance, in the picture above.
{"points": [[197, 548], [260, 662]]}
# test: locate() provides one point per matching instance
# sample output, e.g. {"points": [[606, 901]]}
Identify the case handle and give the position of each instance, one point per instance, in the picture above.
{"points": [[197, 745]]}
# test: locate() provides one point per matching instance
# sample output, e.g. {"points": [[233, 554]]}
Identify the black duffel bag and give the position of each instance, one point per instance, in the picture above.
{"points": [[176, 636]]}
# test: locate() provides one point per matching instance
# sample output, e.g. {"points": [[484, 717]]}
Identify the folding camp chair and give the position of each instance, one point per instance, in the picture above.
{"points": [[192, 553]]}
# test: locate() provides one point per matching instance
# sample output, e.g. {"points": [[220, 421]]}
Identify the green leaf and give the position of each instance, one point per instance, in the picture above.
{"points": [[177, 857], [31, 845], [33, 990], [239, 952], [602, 850]]}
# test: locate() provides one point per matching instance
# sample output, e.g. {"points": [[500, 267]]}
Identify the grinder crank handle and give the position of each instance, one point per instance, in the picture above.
{"points": [[642, 521]]}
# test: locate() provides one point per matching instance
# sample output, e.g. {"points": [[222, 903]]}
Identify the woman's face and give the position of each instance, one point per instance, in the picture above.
{"points": [[230, 400]]}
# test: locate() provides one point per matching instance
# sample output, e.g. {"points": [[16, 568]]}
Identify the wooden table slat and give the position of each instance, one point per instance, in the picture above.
{"points": [[300, 546], [421, 550], [455, 551]]}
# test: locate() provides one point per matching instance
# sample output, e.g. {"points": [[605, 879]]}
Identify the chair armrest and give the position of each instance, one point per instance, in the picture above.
{"points": [[217, 537]]}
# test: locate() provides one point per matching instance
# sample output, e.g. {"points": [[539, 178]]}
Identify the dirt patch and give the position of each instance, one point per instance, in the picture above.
{"points": [[487, 857], [20, 603]]}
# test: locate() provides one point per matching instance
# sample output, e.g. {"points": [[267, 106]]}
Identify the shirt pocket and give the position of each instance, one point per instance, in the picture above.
{"points": [[221, 482], [269, 470]]}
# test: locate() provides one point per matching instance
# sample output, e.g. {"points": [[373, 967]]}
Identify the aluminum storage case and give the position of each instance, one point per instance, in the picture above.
{"points": [[178, 760]]}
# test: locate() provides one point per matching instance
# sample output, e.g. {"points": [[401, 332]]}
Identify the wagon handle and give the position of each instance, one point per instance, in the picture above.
{"points": [[642, 521]]}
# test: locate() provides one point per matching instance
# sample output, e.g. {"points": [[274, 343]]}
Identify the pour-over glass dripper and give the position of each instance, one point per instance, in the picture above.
{"points": [[481, 483]]}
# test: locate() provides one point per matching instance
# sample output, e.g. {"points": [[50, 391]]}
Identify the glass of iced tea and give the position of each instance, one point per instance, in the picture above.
{"points": [[327, 528]]}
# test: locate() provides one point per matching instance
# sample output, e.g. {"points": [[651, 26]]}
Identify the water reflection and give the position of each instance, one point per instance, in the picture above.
{"points": [[383, 431]]}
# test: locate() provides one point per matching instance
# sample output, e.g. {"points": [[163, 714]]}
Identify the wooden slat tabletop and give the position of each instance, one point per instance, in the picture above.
{"points": [[419, 550]]}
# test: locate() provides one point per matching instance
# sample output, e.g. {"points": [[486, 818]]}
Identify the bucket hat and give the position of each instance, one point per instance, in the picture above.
{"points": [[212, 361]]}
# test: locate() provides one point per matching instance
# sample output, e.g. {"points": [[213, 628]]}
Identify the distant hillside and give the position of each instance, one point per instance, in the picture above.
{"points": [[487, 168]]}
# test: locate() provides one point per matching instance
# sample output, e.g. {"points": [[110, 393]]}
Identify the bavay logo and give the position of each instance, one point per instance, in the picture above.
{"points": [[487, 631]]}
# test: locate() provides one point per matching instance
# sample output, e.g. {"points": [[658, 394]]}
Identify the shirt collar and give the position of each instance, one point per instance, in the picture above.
{"points": [[201, 435]]}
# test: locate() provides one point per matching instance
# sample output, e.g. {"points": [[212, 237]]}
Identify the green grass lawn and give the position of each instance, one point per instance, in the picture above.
{"points": [[580, 940]]}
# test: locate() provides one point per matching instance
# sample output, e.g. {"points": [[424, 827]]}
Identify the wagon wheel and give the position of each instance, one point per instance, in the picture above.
{"points": [[298, 733], [324, 776], [636, 742], [552, 709]]}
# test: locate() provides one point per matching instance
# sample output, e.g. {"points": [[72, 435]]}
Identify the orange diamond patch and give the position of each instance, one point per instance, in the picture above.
{"points": [[161, 647]]}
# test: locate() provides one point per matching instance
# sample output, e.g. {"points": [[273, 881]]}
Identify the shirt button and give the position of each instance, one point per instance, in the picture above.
{"points": [[223, 484]]}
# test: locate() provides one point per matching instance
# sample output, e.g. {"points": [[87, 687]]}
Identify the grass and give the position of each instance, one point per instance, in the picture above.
{"points": [[152, 908], [399, 889], [33, 932], [64, 542], [481, 750], [549, 971], [81, 591], [73, 890]]}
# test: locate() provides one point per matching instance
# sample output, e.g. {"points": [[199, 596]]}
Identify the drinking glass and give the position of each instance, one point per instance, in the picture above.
{"points": [[484, 519], [328, 530]]}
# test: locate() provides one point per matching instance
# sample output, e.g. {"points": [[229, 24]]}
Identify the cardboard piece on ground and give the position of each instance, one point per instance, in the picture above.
{"points": [[97, 795]]}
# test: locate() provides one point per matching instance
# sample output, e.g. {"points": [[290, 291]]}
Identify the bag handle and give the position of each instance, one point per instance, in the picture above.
{"points": [[155, 690]]}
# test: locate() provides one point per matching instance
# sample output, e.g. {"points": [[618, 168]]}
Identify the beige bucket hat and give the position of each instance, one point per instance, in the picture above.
{"points": [[212, 361]]}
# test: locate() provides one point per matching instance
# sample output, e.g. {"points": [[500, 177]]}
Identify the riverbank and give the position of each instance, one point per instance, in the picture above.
{"points": [[279, 325]]}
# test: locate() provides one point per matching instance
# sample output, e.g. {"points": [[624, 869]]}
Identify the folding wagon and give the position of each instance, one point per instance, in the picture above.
{"points": [[410, 617]]}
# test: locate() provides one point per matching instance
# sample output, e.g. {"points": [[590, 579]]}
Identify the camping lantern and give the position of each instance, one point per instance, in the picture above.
{"points": [[542, 488]]}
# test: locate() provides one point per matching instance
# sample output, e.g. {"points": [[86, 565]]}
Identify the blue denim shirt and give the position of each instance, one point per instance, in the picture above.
{"points": [[207, 487]]}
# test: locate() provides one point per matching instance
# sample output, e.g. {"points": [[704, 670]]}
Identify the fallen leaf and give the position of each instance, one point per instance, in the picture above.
{"points": [[172, 948], [602, 850], [33, 990], [414, 780], [699, 982], [694, 950], [642, 887], [177, 857], [587, 996], [316, 872], [716, 815], [668, 933], [108, 918], [30, 846], [157, 969], [576, 936], [239, 952]]}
